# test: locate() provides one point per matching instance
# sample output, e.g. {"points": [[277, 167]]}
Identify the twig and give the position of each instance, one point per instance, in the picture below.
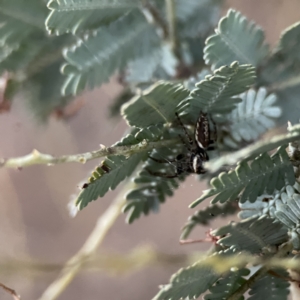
{"points": [[37, 158], [10, 291], [172, 28], [153, 16], [75, 264]]}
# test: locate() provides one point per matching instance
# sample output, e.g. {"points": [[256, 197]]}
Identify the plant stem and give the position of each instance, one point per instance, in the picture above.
{"points": [[153, 16], [37, 158], [10, 291], [76, 263], [172, 28]]}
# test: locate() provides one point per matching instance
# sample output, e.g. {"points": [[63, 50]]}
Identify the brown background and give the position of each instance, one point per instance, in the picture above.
{"points": [[33, 216]]}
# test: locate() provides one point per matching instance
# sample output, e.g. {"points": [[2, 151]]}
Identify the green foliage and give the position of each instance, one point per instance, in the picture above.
{"points": [[155, 106], [156, 62], [253, 116], [272, 286], [281, 73], [151, 190], [193, 281], [215, 93], [73, 16], [196, 18], [116, 168], [252, 235], [236, 39], [190, 282], [160, 59], [266, 173], [96, 56], [255, 149], [204, 217], [226, 286]]}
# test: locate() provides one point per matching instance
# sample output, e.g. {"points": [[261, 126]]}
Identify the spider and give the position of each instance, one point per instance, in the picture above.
{"points": [[192, 162]]}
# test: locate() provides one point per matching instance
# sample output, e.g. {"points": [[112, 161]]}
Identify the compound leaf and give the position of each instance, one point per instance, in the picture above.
{"points": [[227, 285], [236, 39], [281, 73], [189, 283], [264, 173], [75, 15], [271, 287], [97, 56], [253, 116], [151, 186], [255, 149], [215, 93], [252, 235], [116, 168], [204, 217], [156, 105], [196, 18]]}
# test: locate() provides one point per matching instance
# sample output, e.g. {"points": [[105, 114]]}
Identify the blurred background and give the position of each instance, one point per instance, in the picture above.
{"points": [[34, 220]]}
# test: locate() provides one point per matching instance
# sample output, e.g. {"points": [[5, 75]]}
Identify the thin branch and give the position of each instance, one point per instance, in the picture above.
{"points": [[284, 84], [172, 27], [38, 158], [77, 262], [10, 291], [153, 16]]}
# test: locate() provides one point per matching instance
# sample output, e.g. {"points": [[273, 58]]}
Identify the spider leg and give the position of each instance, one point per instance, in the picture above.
{"points": [[158, 174], [162, 161], [185, 131]]}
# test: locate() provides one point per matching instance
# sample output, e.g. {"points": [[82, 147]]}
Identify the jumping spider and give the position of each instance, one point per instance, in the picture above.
{"points": [[192, 161]]}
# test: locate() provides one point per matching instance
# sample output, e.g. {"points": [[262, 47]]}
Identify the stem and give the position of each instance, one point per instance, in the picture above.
{"points": [[10, 291], [153, 16], [278, 86], [76, 263], [172, 26], [37, 158]]}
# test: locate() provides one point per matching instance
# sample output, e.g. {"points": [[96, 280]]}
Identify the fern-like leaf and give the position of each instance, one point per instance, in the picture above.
{"points": [[236, 39], [281, 73], [115, 169], [204, 217], [196, 18], [264, 174], [162, 57], [73, 16], [253, 116], [275, 287], [97, 56], [189, 283], [252, 235], [151, 190], [255, 149], [22, 25], [215, 93], [227, 285], [156, 105]]}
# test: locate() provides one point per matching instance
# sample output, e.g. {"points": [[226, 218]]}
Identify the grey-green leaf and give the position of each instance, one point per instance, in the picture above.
{"points": [[236, 39], [156, 105], [252, 235], [98, 55], [253, 180], [75, 15], [215, 94]]}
